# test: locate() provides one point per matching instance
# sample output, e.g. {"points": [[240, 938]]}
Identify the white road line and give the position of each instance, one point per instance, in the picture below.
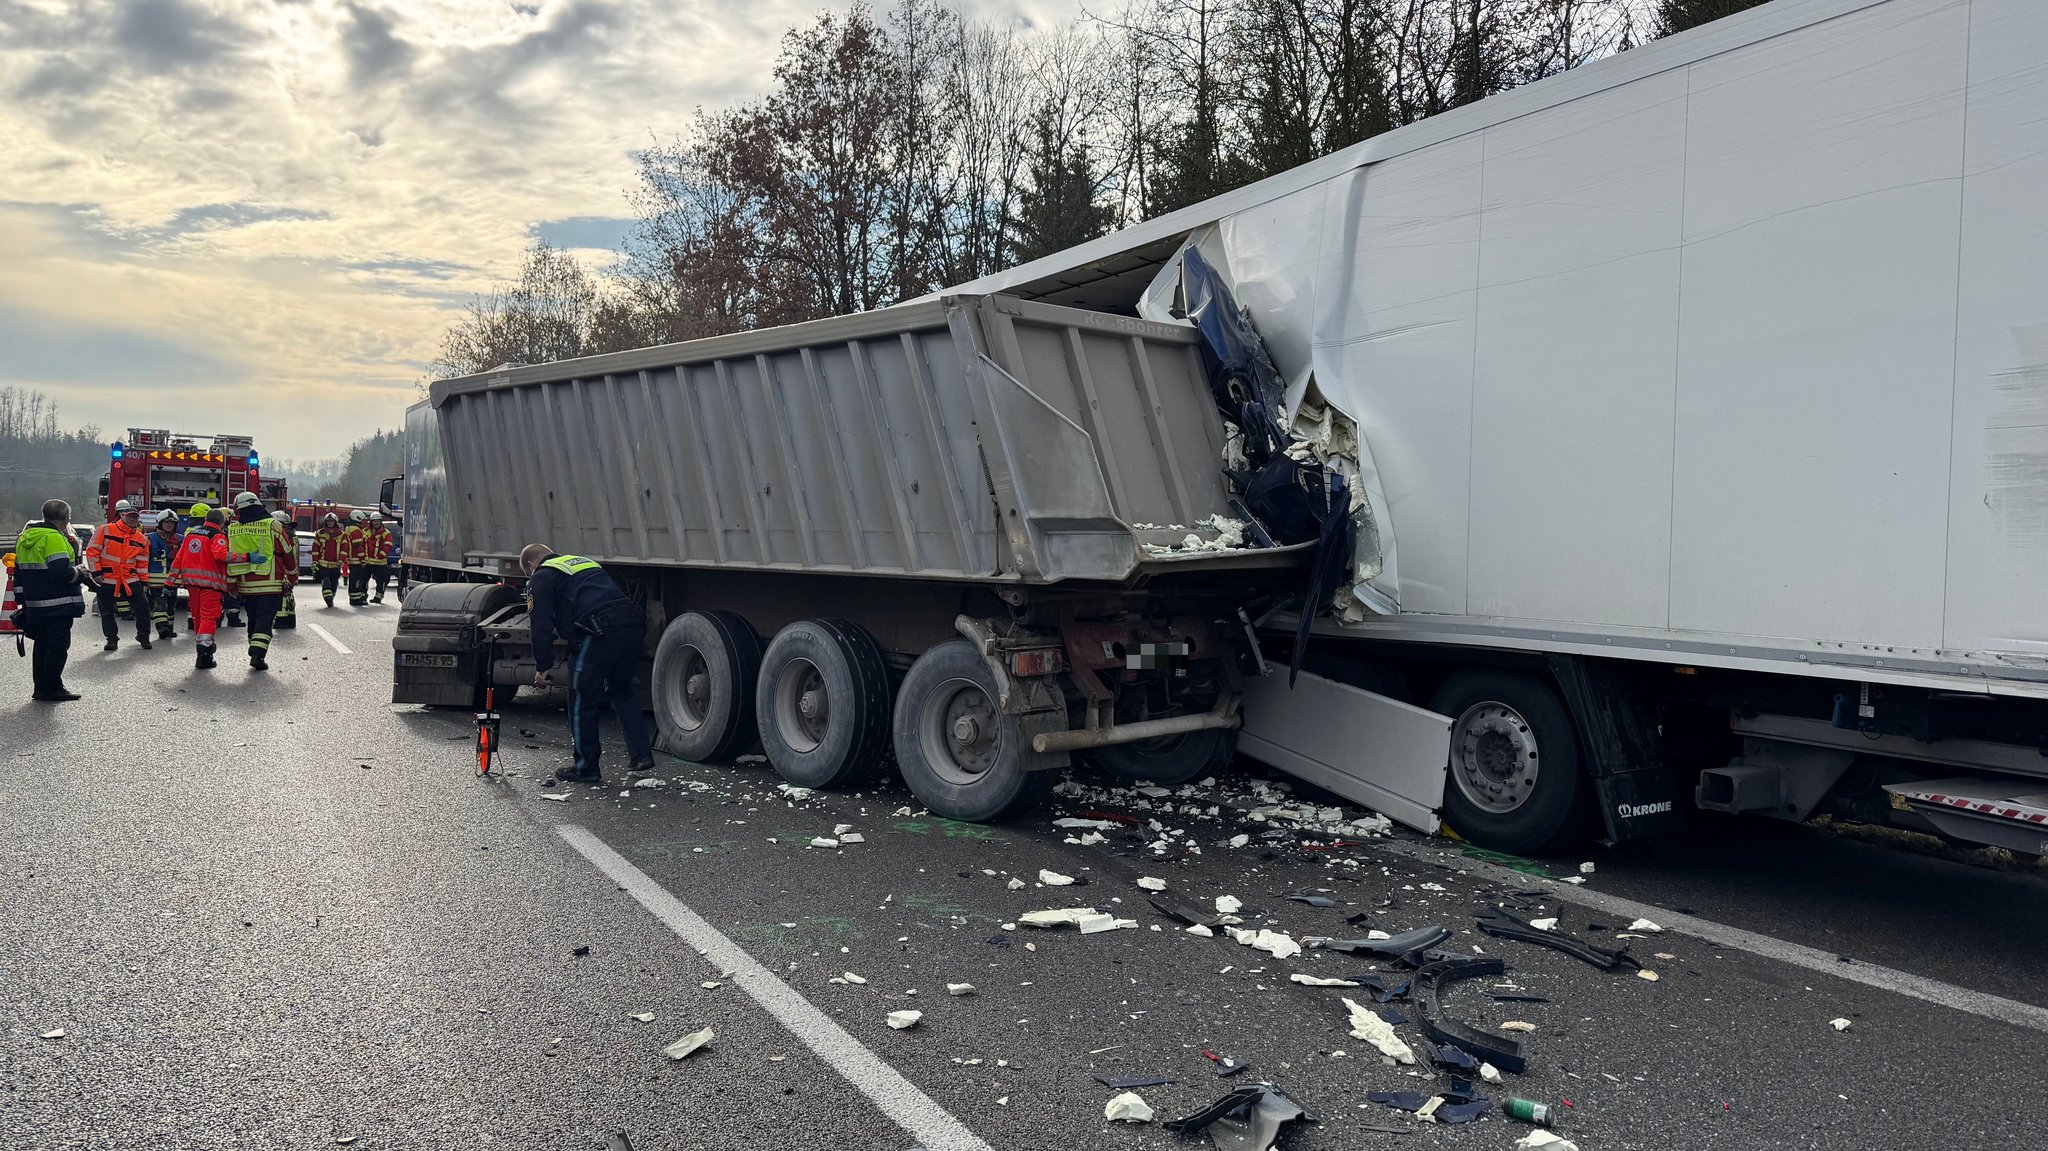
{"points": [[931, 1125], [329, 637], [1770, 947]]}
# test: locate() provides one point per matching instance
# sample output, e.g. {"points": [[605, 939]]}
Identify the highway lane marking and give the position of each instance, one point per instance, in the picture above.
{"points": [[329, 637], [931, 1125], [1979, 1003]]}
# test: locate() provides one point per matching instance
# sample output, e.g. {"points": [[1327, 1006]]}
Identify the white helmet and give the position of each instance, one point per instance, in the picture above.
{"points": [[359, 515], [281, 516], [123, 507], [248, 500]]}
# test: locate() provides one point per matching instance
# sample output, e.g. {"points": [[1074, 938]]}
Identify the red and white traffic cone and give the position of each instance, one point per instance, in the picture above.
{"points": [[7, 605]]}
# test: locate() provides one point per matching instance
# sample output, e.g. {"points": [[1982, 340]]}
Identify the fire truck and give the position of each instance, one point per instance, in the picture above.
{"points": [[158, 470]]}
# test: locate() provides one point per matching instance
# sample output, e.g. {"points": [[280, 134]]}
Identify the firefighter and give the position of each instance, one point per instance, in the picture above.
{"points": [[377, 555], [327, 556], [163, 551], [202, 570], [288, 611], [260, 563], [48, 578], [355, 551], [118, 558], [573, 596]]}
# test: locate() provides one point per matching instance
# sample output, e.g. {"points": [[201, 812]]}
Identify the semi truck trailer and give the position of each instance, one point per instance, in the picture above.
{"points": [[1691, 403]]}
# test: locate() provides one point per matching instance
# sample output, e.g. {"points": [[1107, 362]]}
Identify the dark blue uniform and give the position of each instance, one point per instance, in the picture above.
{"points": [[573, 597]]}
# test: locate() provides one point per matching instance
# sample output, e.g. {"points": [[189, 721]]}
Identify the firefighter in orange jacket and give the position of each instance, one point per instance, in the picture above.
{"points": [[377, 552], [118, 558], [202, 570], [327, 556]]}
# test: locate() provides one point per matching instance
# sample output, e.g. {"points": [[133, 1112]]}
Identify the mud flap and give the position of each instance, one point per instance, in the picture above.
{"points": [[1637, 796]]}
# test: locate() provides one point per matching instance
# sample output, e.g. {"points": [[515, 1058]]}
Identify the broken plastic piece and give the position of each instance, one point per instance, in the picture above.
{"points": [[1644, 925], [54, 1033], [1054, 879], [1057, 917], [1150, 884], [1248, 1119], [1645, 973], [1395, 992], [1393, 1015], [1511, 997], [1314, 900], [1228, 905], [904, 1020], [1451, 1055], [1837, 1024], [1499, 923], [1462, 1112], [1392, 947], [1198, 929], [1489, 1073], [1277, 944], [1544, 1141], [1398, 1100], [1549, 924], [1225, 1065], [1430, 983], [1016, 884], [959, 988], [1378, 1032], [850, 977], [1127, 1108], [682, 1048], [1518, 1025]]}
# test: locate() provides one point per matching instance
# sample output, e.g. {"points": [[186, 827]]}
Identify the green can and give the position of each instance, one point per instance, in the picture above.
{"points": [[1530, 1111]]}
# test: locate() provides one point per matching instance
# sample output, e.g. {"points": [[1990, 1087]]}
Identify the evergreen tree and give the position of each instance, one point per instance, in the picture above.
{"points": [[1060, 208]]}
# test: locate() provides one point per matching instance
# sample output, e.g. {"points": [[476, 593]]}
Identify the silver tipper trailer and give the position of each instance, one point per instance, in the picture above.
{"points": [[977, 532]]}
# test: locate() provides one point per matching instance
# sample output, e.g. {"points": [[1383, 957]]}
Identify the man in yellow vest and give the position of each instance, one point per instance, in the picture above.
{"points": [[607, 634], [261, 560], [47, 585], [118, 558]]}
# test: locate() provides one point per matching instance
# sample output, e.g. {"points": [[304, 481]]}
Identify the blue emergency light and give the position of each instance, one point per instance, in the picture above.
{"points": [[119, 451], [254, 463]]}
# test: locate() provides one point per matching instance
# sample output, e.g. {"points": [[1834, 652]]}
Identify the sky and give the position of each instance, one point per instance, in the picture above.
{"points": [[257, 216]]}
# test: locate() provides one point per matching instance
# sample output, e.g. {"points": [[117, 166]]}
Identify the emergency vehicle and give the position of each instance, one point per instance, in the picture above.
{"points": [[158, 470]]}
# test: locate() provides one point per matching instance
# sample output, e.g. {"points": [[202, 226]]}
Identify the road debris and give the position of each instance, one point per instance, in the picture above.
{"points": [[1378, 1032], [1518, 1025], [853, 837], [1228, 905], [904, 1020], [1430, 985], [1277, 944], [1072, 824], [824, 841], [682, 1048], [1392, 947], [1646, 973], [553, 797], [850, 977], [1247, 1119], [1399, 1100], [1530, 1111], [1544, 1141], [1489, 1073], [1644, 925], [1837, 1024], [1151, 884], [54, 1033], [1319, 981], [1127, 1082], [1313, 900], [1226, 1065], [958, 989], [1016, 884], [1453, 1056], [645, 1017], [1544, 924], [1198, 929], [1055, 879], [1498, 923], [1586, 868], [1127, 1108], [650, 783]]}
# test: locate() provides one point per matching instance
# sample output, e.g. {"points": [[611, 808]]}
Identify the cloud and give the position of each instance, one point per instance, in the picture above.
{"points": [[167, 35], [606, 232], [54, 353], [373, 46]]}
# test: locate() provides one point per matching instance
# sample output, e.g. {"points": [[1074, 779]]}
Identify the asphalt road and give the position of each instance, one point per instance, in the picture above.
{"points": [[277, 911]]}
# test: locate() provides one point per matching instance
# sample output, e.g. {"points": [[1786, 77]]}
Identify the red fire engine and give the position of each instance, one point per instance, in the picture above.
{"points": [[157, 470]]}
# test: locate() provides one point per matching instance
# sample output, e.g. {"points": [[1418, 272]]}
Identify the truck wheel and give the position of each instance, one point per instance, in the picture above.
{"points": [[1514, 765], [1170, 760], [823, 703], [705, 667], [961, 757]]}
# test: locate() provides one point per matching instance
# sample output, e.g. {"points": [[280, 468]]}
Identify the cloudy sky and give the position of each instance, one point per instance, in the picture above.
{"points": [[258, 215]]}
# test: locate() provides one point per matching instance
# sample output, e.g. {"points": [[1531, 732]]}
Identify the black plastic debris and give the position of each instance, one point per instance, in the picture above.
{"points": [[617, 1141], [1460, 1091], [1397, 991], [1382, 1129], [1430, 982], [581, 951], [1501, 925], [1393, 1016], [1398, 1100], [1511, 997], [1450, 1055], [1181, 913], [998, 941], [1362, 919], [1247, 1119], [1225, 1065], [1373, 981], [1127, 1082], [1314, 900], [1462, 1112], [1423, 957], [1392, 948]]}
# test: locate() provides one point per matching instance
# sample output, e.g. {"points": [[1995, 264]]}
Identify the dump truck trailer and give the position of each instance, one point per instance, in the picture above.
{"points": [[968, 532]]}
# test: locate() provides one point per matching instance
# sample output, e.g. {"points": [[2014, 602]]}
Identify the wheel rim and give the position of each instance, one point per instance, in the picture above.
{"points": [[957, 731], [803, 711], [692, 690], [1494, 757]]}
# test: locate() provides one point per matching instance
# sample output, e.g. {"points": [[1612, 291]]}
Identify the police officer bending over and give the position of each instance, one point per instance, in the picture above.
{"points": [[572, 595]]}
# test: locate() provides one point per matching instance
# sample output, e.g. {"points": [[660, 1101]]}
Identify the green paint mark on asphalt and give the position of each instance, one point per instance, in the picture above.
{"points": [[950, 828], [1512, 862], [805, 935]]}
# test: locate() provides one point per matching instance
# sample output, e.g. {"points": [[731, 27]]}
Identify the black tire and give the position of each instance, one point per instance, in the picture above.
{"points": [[1514, 777], [823, 703], [1172, 760], [721, 653], [987, 780]]}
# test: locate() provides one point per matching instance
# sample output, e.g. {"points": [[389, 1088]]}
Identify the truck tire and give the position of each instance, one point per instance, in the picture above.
{"points": [[960, 756], [705, 668], [1514, 777], [823, 703], [1172, 760]]}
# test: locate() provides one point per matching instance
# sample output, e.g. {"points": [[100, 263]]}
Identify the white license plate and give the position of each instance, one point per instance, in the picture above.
{"points": [[421, 659]]}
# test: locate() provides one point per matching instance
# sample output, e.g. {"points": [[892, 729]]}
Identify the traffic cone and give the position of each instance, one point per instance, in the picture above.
{"points": [[7, 605]]}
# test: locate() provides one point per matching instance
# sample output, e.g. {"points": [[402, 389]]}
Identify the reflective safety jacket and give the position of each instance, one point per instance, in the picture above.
{"points": [[327, 547], [46, 574], [163, 552], [573, 597], [262, 554], [377, 548], [355, 544], [202, 561], [118, 555]]}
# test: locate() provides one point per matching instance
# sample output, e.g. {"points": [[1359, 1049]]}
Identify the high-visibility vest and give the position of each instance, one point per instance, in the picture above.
{"points": [[569, 565], [249, 548], [39, 587]]}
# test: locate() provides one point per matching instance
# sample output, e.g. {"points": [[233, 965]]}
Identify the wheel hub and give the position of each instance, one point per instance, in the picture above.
{"points": [[966, 730], [698, 689], [811, 704], [1494, 757]]}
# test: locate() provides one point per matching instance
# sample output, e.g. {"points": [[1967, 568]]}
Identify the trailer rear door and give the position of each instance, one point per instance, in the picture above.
{"points": [[1370, 749]]}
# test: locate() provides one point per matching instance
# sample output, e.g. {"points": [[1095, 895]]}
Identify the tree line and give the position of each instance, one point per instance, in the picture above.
{"points": [[896, 153], [39, 460]]}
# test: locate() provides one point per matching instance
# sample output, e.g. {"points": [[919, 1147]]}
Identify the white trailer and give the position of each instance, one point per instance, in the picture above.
{"points": [[1703, 403]]}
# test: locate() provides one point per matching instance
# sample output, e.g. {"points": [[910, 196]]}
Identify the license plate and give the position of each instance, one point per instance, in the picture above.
{"points": [[421, 659]]}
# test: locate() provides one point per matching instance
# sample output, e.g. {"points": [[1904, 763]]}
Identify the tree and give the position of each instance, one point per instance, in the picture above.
{"points": [[542, 316], [1060, 207], [1679, 15]]}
